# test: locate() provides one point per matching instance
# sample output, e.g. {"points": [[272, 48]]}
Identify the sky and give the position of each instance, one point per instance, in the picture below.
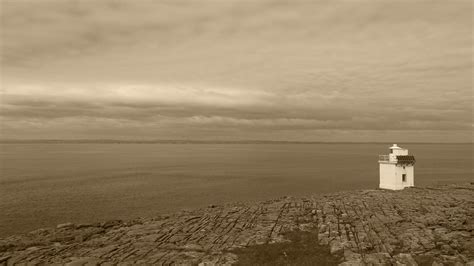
{"points": [[355, 70]]}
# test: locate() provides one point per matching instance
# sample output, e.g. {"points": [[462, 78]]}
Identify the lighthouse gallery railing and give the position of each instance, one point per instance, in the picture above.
{"points": [[384, 158]]}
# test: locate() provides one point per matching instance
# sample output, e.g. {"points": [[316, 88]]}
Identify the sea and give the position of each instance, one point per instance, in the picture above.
{"points": [[45, 184]]}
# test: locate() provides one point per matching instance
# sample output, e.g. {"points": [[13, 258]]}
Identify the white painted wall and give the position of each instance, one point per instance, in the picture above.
{"points": [[398, 176], [410, 169], [391, 176], [400, 151], [388, 176]]}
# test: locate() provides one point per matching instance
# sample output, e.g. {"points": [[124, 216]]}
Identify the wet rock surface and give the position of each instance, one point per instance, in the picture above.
{"points": [[424, 226]]}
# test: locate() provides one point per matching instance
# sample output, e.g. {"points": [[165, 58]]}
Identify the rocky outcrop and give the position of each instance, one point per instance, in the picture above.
{"points": [[432, 225]]}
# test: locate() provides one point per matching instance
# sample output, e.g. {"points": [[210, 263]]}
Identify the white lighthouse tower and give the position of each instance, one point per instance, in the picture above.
{"points": [[397, 169]]}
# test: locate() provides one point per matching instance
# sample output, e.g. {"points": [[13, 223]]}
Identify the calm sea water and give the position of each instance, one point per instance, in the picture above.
{"points": [[42, 185]]}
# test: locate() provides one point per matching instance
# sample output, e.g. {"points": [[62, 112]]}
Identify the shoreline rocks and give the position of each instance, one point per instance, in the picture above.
{"points": [[429, 226]]}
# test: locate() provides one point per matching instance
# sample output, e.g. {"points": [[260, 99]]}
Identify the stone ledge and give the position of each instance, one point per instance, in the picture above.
{"points": [[432, 225]]}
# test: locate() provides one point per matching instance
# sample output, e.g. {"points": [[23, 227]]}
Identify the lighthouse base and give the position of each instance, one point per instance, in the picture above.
{"points": [[391, 187], [395, 176]]}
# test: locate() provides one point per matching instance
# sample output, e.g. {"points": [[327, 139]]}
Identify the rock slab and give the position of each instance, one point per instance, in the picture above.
{"points": [[430, 225]]}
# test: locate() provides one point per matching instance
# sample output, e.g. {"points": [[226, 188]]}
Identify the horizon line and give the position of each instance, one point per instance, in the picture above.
{"points": [[194, 141]]}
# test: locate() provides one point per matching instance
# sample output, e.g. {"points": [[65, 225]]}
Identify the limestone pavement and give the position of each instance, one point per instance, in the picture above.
{"points": [[431, 225]]}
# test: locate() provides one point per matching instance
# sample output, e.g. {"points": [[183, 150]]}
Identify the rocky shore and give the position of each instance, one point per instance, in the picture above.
{"points": [[424, 226]]}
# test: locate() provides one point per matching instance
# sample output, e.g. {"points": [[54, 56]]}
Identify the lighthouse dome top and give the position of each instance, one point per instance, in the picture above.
{"points": [[395, 147], [396, 150]]}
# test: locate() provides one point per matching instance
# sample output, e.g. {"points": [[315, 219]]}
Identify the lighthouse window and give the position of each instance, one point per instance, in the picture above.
{"points": [[404, 177]]}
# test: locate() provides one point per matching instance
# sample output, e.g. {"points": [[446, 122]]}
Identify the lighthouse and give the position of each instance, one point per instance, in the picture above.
{"points": [[397, 169]]}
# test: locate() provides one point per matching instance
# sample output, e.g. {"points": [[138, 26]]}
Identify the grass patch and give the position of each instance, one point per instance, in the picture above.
{"points": [[423, 260], [302, 249]]}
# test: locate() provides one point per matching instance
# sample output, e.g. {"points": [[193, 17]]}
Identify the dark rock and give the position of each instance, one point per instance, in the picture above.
{"points": [[111, 223], [4, 259]]}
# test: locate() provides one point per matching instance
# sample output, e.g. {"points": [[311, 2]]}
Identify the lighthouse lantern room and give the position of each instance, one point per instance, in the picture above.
{"points": [[397, 169]]}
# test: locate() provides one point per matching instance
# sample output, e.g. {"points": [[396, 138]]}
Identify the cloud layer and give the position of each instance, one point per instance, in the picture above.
{"points": [[300, 70]]}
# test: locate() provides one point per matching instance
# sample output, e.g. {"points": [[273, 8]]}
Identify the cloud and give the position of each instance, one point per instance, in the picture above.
{"points": [[231, 108], [250, 67]]}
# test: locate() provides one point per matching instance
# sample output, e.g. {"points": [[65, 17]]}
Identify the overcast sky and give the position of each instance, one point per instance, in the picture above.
{"points": [[378, 70]]}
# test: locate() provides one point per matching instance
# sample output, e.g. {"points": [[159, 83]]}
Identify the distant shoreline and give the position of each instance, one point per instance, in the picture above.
{"points": [[113, 141]]}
